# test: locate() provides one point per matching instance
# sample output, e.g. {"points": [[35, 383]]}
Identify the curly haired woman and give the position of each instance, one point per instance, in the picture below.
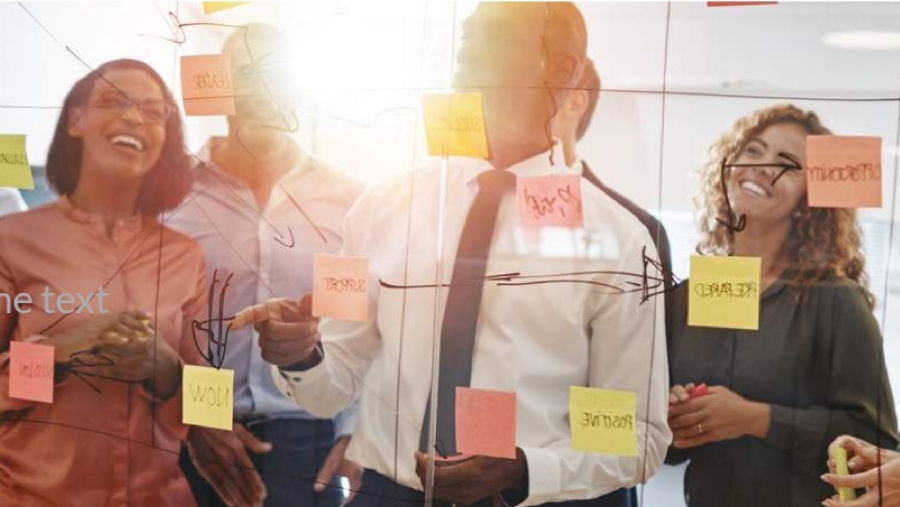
{"points": [[758, 434]]}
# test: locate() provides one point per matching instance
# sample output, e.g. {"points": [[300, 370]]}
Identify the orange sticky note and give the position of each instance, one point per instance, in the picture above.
{"points": [[207, 397], [210, 7], [603, 420], [31, 371], [14, 168], [843, 171], [552, 201], [206, 85], [724, 292], [339, 287], [454, 125], [486, 422]]}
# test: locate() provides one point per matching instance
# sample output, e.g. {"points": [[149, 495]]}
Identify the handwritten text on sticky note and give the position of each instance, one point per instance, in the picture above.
{"points": [[339, 287], [553, 201], [210, 7], [31, 371], [208, 397], [603, 420], [206, 85], [14, 169], [843, 171], [486, 422], [724, 292], [454, 125]]}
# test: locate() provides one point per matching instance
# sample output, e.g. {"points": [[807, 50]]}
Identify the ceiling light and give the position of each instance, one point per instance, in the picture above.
{"points": [[867, 40]]}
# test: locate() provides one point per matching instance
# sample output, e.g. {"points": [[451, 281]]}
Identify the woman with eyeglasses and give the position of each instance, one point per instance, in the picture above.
{"points": [[754, 411], [114, 293]]}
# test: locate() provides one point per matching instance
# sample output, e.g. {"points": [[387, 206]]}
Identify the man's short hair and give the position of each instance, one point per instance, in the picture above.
{"points": [[590, 82]]}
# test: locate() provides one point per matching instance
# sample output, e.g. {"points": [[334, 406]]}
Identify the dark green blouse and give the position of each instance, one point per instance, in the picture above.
{"points": [[818, 364]]}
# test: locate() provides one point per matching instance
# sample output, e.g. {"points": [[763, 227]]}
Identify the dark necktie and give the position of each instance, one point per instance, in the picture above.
{"points": [[463, 301]]}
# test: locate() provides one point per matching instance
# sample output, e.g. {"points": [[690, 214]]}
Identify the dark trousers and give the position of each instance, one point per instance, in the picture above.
{"points": [[380, 491], [299, 448]]}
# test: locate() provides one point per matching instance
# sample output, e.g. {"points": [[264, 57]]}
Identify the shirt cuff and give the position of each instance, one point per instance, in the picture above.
{"points": [[285, 380], [543, 475], [345, 421], [781, 427]]}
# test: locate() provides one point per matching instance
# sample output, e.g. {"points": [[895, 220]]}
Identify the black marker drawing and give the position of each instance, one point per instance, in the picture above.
{"points": [[723, 174], [216, 342]]}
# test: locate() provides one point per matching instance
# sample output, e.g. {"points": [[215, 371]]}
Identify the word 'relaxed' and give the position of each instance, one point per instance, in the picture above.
{"points": [[339, 287], [14, 169], [724, 292], [603, 420], [552, 201], [206, 85], [207, 397], [486, 422], [843, 171], [31, 371], [454, 125]]}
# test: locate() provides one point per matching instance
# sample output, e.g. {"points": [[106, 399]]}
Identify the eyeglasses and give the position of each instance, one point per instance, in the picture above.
{"points": [[157, 111]]}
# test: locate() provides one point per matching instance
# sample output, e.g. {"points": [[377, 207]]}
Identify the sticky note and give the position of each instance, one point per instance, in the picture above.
{"points": [[339, 287], [724, 292], [31, 371], [552, 201], [603, 420], [210, 7], [840, 464], [14, 169], [737, 4], [206, 85], [454, 125], [207, 397], [486, 422], [843, 171]]}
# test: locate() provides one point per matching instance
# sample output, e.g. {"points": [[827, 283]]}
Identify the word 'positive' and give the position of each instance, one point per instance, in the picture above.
{"points": [[603, 420]]}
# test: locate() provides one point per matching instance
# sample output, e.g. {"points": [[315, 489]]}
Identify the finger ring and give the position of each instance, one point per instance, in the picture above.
{"points": [[700, 427]]}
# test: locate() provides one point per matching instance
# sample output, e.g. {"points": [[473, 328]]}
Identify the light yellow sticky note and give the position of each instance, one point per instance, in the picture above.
{"points": [[210, 7], [14, 169], [207, 397], [454, 125], [724, 292], [603, 420]]}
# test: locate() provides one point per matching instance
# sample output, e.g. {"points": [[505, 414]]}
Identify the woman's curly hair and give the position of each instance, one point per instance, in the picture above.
{"points": [[823, 242]]}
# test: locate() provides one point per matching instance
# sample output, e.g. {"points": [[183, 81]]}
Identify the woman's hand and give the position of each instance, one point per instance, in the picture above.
{"points": [[108, 330], [716, 416]]}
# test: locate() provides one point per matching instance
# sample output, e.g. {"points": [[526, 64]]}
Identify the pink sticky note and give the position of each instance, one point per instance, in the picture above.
{"points": [[553, 201], [206, 85], [843, 171], [31, 371], [486, 422], [339, 287]]}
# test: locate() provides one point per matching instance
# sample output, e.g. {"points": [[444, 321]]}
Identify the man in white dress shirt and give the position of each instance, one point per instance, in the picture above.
{"points": [[534, 339]]}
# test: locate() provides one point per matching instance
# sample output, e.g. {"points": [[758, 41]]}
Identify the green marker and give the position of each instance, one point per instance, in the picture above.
{"points": [[840, 463]]}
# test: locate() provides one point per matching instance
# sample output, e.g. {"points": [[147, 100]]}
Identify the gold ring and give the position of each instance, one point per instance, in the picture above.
{"points": [[700, 426]]}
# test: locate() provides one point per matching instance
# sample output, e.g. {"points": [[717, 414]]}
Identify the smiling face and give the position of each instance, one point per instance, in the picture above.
{"points": [[750, 188], [120, 139]]}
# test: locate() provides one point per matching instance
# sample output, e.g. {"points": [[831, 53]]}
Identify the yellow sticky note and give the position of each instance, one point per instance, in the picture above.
{"points": [[14, 169], [603, 420], [454, 125], [724, 292], [210, 7], [207, 397], [206, 85]]}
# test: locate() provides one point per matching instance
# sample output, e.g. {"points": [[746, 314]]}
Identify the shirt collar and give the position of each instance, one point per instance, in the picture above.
{"points": [[303, 162], [538, 165], [123, 225]]}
